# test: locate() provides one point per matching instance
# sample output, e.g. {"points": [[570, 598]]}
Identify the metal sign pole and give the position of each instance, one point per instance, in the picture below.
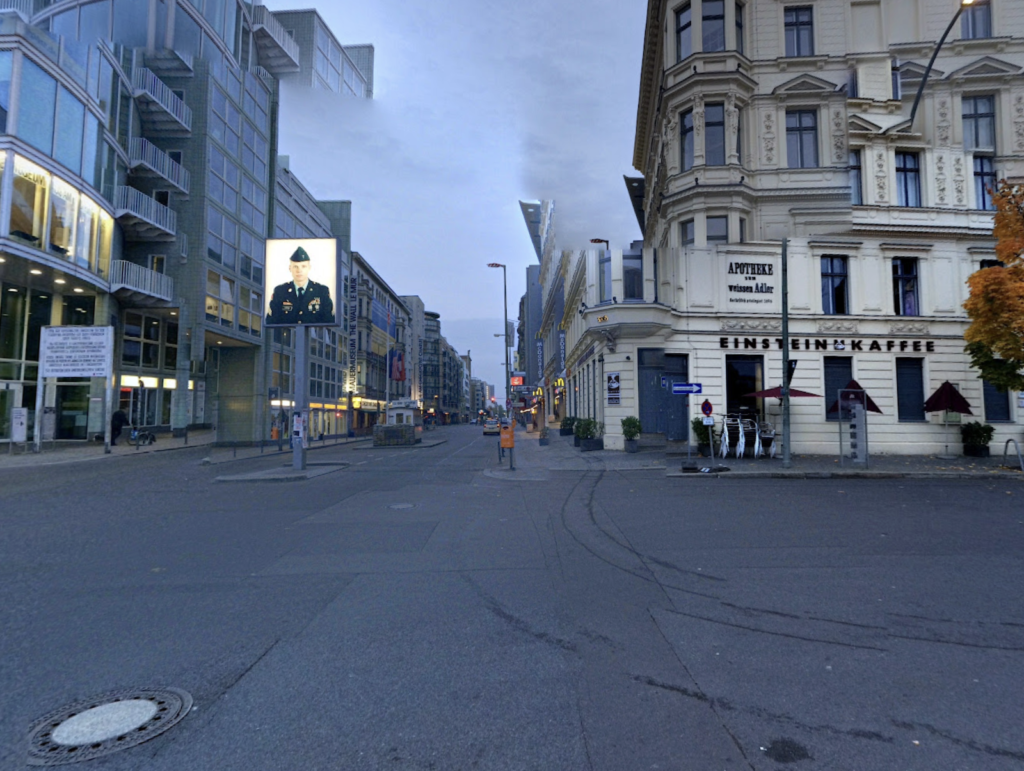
{"points": [[301, 390], [786, 455], [37, 431], [108, 411]]}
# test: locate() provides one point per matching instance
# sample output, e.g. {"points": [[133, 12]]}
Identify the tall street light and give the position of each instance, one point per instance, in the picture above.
{"points": [[508, 384], [935, 53]]}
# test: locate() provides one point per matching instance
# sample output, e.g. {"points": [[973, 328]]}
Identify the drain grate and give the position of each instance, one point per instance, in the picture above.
{"points": [[402, 506], [107, 723]]}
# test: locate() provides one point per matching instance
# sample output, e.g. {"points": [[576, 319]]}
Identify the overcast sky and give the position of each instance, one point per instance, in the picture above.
{"points": [[478, 104]]}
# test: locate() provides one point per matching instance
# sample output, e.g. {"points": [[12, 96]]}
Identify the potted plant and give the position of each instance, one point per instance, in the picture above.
{"points": [[702, 434], [631, 431], [976, 437], [588, 431], [577, 426], [544, 441], [565, 428]]}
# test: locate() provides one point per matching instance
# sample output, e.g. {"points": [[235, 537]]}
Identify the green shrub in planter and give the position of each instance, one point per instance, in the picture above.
{"points": [[631, 428], [585, 428], [701, 432], [976, 434], [567, 422]]}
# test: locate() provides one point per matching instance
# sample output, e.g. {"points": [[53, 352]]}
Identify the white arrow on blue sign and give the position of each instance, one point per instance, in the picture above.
{"points": [[679, 389]]}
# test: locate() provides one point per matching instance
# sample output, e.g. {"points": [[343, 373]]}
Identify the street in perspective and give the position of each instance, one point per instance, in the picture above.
{"points": [[512, 386]]}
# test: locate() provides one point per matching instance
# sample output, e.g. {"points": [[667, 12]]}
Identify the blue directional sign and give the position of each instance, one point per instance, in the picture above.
{"points": [[681, 389]]}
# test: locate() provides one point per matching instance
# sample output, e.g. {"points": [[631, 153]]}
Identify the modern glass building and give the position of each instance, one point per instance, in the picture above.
{"points": [[137, 188]]}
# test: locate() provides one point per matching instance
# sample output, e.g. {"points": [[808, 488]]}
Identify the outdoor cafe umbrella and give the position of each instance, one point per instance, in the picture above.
{"points": [[853, 385], [776, 393], [947, 399]]}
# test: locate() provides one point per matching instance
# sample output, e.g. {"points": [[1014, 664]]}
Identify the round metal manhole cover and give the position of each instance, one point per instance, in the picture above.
{"points": [[400, 506], [104, 724]]}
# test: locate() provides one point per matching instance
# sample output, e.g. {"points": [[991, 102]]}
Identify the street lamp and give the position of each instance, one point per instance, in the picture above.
{"points": [[504, 280], [601, 241], [935, 53]]}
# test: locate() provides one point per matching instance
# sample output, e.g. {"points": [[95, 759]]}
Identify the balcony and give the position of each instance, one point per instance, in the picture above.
{"points": [[146, 159], [169, 63], [142, 218], [139, 286], [278, 53], [161, 111], [23, 7]]}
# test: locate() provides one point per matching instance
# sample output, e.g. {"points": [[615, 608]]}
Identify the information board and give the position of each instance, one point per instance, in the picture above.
{"points": [[19, 425], [76, 352]]}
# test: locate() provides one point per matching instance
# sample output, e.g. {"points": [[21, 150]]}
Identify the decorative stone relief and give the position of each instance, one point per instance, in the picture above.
{"points": [[673, 128], [769, 138], [941, 188], [838, 138], [908, 328], [959, 187], [943, 128], [750, 325], [698, 120], [732, 117], [1018, 123], [837, 326], [881, 177]]}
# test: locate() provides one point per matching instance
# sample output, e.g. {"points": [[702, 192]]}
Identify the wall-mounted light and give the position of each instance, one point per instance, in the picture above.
{"points": [[627, 358]]}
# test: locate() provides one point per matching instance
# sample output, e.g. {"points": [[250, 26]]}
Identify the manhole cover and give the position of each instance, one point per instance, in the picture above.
{"points": [[104, 724], [402, 506]]}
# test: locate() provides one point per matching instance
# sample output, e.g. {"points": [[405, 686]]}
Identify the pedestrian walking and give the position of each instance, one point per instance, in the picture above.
{"points": [[117, 422]]}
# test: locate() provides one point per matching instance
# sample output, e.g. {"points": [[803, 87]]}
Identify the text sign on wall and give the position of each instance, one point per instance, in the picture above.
{"points": [[76, 352], [19, 425], [751, 283]]}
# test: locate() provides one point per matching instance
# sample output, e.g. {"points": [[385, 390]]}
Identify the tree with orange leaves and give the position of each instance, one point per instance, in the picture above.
{"points": [[995, 338]]}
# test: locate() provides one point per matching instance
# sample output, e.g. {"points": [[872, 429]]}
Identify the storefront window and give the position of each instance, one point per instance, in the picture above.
{"points": [[63, 215], [13, 303], [85, 242], [78, 311], [28, 204], [39, 305], [35, 114], [105, 237]]}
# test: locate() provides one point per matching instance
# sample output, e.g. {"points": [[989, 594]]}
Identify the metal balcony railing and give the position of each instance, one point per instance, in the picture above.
{"points": [[24, 7], [137, 279], [132, 204], [278, 52], [142, 152], [147, 84]]}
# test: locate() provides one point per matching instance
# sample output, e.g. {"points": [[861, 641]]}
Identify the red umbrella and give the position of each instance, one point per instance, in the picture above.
{"points": [[853, 385], [947, 398], [776, 393]]}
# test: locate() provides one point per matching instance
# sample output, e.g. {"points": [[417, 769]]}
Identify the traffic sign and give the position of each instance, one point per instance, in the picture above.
{"points": [[706, 407], [681, 389], [709, 421]]}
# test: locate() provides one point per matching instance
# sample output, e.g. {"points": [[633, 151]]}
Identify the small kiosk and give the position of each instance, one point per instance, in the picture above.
{"points": [[404, 424]]}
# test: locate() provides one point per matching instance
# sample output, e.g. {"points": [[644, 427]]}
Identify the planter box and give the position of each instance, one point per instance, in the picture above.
{"points": [[589, 445], [544, 441], [631, 445], [565, 432], [704, 450], [575, 441], [976, 450]]}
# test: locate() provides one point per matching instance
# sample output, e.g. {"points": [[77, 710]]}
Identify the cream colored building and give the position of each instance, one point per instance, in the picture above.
{"points": [[763, 120]]}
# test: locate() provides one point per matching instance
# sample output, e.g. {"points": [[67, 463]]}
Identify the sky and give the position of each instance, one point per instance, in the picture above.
{"points": [[478, 104]]}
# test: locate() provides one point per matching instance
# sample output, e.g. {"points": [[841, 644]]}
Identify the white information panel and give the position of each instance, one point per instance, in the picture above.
{"points": [[67, 352], [19, 425]]}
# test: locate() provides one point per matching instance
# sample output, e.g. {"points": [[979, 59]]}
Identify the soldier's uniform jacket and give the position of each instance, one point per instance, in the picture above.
{"points": [[314, 307]]}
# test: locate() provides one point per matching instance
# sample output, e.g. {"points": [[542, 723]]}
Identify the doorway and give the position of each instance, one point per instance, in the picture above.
{"points": [[744, 375], [10, 398], [660, 411]]}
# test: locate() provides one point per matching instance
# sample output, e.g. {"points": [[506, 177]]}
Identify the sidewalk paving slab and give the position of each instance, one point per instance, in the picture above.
{"points": [[284, 475]]}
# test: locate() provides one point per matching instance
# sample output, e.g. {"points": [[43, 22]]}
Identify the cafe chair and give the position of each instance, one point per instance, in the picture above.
{"points": [[766, 436]]}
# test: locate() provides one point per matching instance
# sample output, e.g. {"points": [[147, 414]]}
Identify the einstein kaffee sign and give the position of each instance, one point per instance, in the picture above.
{"points": [[752, 285]]}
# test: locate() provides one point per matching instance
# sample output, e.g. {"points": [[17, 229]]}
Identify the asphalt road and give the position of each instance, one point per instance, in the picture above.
{"points": [[598, 619]]}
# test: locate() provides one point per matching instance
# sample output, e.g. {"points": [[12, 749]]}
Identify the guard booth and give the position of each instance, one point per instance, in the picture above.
{"points": [[406, 412]]}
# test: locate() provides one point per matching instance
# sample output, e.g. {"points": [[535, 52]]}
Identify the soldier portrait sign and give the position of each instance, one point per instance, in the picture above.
{"points": [[301, 282]]}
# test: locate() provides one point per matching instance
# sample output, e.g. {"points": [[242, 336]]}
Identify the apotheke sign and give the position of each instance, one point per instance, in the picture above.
{"points": [[751, 283]]}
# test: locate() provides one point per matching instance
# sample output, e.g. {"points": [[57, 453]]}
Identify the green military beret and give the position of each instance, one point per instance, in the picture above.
{"points": [[299, 255]]}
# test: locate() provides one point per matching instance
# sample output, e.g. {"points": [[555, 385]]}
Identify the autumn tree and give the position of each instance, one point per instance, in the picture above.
{"points": [[995, 338]]}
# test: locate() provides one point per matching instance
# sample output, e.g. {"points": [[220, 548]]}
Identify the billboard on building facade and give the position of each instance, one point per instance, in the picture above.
{"points": [[301, 282]]}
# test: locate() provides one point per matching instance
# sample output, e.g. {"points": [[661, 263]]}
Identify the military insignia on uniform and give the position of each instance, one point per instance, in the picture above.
{"points": [[314, 305], [287, 305]]}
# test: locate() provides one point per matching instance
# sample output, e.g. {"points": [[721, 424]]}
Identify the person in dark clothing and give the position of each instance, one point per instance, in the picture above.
{"points": [[300, 301], [117, 421]]}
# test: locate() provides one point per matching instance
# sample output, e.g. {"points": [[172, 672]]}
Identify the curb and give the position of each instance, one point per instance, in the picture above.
{"points": [[848, 475]]}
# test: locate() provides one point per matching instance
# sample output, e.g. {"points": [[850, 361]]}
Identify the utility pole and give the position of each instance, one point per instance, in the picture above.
{"points": [[786, 458]]}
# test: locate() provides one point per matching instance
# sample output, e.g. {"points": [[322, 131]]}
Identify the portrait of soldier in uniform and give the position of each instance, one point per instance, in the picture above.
{"points": [[300, 301]]}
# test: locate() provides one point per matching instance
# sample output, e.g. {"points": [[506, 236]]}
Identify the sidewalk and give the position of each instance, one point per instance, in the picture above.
{"points": [[560, 455], [77, 452]]}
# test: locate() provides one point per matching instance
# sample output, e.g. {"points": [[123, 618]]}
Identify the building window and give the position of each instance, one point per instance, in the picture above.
{"points": [[904, 286], [684, 39], [714, 136], [910, 390], [221, 238], [713, 25], [976, 21], [687, 135], [604, 269], [28, 205], [739, 136], [856, 179], [991, 264], [984, 181], [688, 233], [802, 139], [739, 27], [799, 24], [979, 116], [838, 374], [897, 85], [224, 180], [997, 404], [220, 299], [834, 286], [743, 230], [38, 103], [718, 230], [633, 277], [908, 179]]}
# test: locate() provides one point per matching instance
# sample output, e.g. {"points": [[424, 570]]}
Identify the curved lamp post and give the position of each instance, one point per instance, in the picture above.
{"points": [[935, 53]]}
